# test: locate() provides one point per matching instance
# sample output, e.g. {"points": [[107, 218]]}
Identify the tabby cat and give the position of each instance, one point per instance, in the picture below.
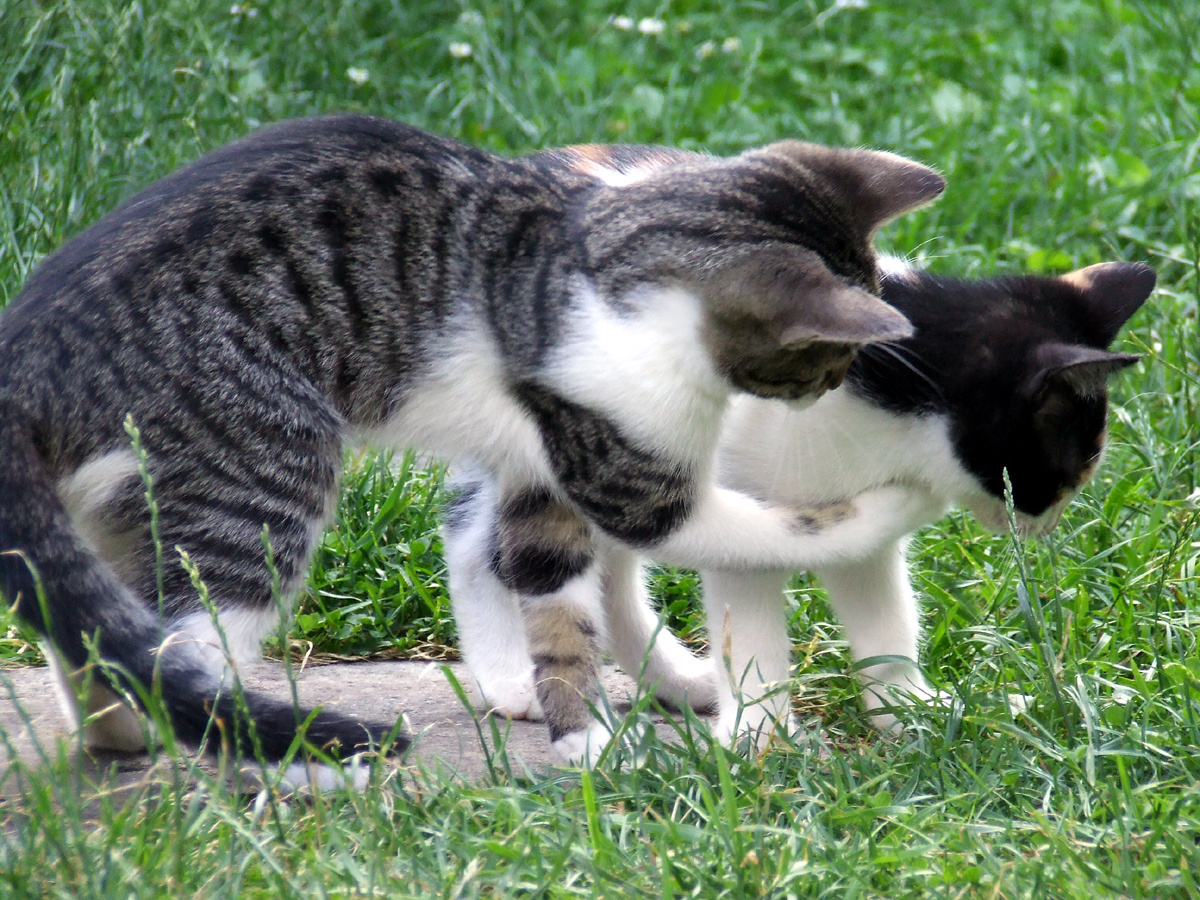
{"points": [[1001, 374], [574, 329]]}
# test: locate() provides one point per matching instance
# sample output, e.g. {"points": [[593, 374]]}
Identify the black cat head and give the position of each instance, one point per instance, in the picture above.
{"points": [[776, 242], [1019, 367]]}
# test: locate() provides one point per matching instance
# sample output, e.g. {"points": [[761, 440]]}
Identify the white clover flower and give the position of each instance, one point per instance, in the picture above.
{"points": [[357, 75], [705, 50], [471, 18], [460, 49], [731, 45], [849, 4], [651, 26], [622, 23]]}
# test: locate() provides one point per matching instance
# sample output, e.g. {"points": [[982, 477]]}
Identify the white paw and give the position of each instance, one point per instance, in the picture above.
{"points": [[888, 723], [307, 777], [693, 684], [884, 701], [583, 748], [118, 727], [754, 723], [512, 698], [1018, 703]]}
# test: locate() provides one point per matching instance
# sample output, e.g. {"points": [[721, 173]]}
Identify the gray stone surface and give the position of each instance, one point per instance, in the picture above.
{"points": [[33, 726]]}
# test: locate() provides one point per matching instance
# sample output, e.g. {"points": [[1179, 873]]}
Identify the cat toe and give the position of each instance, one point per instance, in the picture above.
{"points": [[583, 748], [512, 698]]}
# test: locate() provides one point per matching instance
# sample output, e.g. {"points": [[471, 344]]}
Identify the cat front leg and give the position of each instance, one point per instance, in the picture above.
{"points": [[645, 648], [874, 600], [565, 633], [544, 551], [749, 640]]}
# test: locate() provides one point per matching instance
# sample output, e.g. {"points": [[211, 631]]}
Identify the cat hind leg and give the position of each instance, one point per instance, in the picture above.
{"points": [[491, 630]]}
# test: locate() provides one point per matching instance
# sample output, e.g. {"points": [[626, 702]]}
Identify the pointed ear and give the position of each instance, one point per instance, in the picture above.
{"points": [[847, 315], [789, 290], [1113, 292], [1075, 369], [882, 184]]}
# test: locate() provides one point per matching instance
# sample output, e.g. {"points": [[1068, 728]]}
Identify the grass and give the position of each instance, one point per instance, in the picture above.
{"points": [[1068, 133]]}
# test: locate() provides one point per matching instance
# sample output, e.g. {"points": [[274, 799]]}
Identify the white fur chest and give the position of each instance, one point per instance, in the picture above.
{"points": [[838, 447], [645, 368]]}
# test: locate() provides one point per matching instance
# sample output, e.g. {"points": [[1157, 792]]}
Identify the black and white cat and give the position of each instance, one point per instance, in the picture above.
{"points": [[1002, 374], [576, 335]]}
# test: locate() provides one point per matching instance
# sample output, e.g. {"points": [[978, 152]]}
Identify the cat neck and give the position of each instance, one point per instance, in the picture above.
{"points": [[838, 447]]}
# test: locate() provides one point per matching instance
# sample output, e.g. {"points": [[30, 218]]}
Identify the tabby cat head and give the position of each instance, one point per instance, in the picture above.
{"points": [[1019, 367], [777, 245]]}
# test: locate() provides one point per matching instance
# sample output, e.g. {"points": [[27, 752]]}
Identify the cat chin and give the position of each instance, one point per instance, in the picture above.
{"points": [[992, 515]]}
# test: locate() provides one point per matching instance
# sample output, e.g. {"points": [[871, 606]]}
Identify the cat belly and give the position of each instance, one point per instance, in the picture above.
{"points": [[466, 410]]}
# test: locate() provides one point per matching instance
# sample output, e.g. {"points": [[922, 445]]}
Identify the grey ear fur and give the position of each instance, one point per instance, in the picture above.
{"points": [[790, 287], [883, 185], [850, 315]]}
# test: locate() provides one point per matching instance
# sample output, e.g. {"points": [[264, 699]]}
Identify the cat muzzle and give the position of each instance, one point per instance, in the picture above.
{"points": [[793, 374]]}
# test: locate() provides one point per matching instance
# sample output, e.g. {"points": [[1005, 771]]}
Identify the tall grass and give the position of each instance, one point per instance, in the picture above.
{"points": [[1069, 133]]}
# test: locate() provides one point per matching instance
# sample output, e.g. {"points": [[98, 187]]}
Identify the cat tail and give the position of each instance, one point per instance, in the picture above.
{"points": [[57, 584]]}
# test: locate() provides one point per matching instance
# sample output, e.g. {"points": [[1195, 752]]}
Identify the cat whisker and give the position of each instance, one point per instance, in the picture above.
{"points": [[901, 355]]}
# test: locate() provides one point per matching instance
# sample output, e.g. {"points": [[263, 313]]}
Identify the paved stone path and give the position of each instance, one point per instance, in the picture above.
{"points": [[30, 717]]}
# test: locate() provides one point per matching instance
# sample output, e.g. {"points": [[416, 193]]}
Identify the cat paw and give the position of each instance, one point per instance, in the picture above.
{"points": [[884, 702], [889, 724], [756, 726], [305, 778], [692, 685], [512, 698], [119, 728], [583, 748]]}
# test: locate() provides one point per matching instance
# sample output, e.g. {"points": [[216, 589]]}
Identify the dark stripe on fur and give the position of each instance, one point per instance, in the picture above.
{"points": [[540, 543], [630, 492]]}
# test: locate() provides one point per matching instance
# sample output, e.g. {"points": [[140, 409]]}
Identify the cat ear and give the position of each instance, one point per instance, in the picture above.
{"points": [[1075, 369], [847, 315], [882, 185], [790, 288], [1113, 292]]}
